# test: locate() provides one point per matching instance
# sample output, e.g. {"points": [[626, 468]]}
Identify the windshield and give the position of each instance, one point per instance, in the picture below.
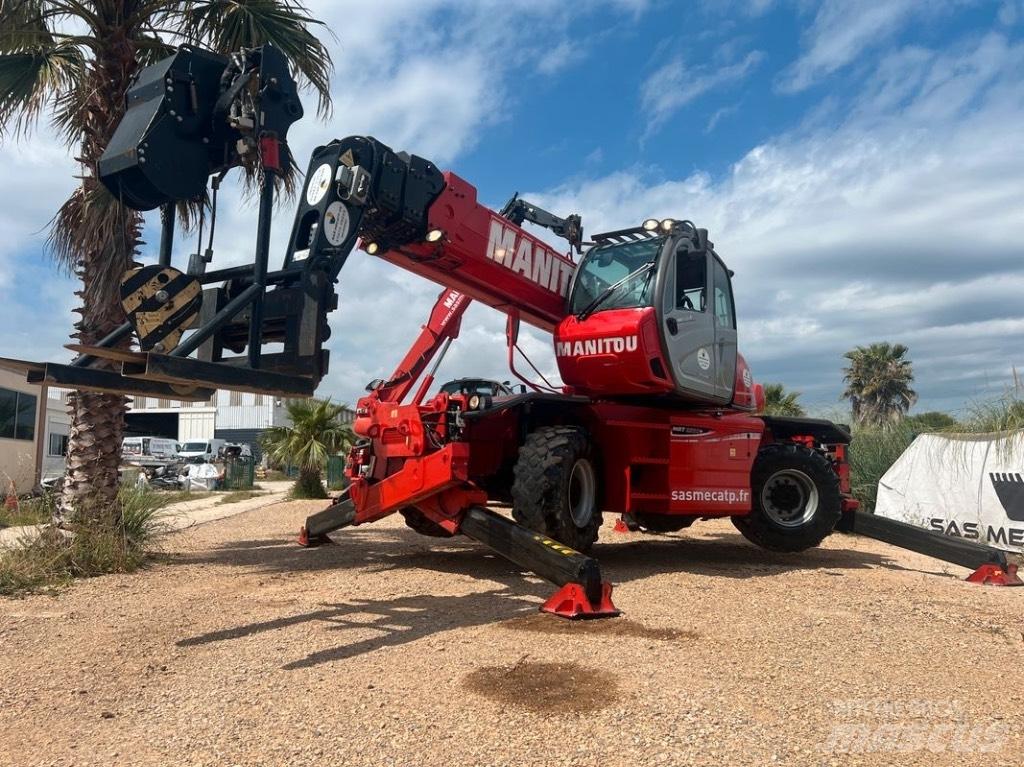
{"points": [[604, 266], [194, 447]]}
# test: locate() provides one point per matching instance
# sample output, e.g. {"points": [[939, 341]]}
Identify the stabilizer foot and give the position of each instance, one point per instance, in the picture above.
{"points": [[571, 602], [994, 575], [308, 541]]}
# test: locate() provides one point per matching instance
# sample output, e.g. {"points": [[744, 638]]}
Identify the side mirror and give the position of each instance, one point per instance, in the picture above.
{"points": [[375, 384]]}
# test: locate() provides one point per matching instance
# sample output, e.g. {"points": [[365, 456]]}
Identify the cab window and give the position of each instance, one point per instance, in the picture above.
{"points": [[691, 281], [725, 317]]}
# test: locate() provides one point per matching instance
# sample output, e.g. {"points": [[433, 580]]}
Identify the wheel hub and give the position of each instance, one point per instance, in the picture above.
{"points": [[582, 493], [789, 498]]}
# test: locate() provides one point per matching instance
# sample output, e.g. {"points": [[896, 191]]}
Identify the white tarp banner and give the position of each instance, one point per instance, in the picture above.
{"points": [[965, 485]]}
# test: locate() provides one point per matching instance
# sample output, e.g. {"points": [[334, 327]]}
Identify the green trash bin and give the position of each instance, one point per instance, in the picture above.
{"points": [[239, 473], [336, 472]]}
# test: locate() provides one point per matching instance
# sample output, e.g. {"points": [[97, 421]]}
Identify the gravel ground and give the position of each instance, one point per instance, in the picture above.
{"points": [[392, 649]]}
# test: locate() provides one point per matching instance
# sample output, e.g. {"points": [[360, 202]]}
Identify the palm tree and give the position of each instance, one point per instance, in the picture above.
{"points": [[316, 433], [778, 401], [878, 383], [73, 60]]}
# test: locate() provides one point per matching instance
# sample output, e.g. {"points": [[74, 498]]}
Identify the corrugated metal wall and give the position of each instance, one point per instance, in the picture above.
{"points": [[196, 425]]}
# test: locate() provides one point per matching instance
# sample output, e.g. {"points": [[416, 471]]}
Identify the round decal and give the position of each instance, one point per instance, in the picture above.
{"points": [[748, 380], [318, 184], [336, 223], [703, 358]]}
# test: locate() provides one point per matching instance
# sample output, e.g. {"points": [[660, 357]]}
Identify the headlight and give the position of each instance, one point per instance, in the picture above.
{"points": [[434, 235], [474, 402], [372, 248]]}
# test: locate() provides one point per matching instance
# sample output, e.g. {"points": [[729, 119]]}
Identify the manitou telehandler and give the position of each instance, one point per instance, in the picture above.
{"points": [[656, 419]]}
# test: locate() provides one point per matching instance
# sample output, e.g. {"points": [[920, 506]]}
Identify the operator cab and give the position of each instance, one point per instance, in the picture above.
{"points": [[650, 311]]}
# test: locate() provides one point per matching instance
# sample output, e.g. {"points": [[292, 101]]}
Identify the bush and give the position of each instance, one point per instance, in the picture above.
{"points": [[876, 448], [99, 543], [873, 451], [309, 485], [30, 511]]}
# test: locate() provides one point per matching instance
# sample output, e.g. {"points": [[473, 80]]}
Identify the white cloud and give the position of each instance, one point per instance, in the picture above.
{"points": [[842, 30], [902, 224], [674, 85]]}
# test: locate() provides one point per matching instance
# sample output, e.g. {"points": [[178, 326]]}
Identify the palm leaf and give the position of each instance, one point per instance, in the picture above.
{"points": [[31, 79], [229, 25]]}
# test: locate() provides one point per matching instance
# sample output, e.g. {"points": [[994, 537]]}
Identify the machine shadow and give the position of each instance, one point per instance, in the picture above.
{"points": [[408, 618], [379, 624]]}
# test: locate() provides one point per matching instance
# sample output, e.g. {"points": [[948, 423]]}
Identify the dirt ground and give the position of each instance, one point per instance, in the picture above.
{"points": [[239, 648]]}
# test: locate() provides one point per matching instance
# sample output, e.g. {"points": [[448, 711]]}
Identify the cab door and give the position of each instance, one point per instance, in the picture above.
{"points": [[687, 323], [724, 315]]}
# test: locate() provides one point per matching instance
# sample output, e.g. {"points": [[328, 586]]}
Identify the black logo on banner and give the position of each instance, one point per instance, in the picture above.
{"points": [[1010, 490]]}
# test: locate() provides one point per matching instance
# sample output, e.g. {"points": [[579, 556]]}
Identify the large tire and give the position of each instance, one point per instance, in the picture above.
{"points": [[422, 524], [796, 501], [555, 491]]}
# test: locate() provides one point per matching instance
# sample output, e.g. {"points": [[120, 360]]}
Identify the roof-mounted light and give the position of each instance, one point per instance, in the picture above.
{"points": [[668, 224], [651, 224]]}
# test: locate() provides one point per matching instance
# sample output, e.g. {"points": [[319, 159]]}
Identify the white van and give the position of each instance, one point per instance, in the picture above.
{"points": [[196, 451], [135, 449]]}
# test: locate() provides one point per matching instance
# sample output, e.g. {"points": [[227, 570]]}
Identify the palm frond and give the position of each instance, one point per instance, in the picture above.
{"points": [[30, 80], [92, 226], [228, 25]]}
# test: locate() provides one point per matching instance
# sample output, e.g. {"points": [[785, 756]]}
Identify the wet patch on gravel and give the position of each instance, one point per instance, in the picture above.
{"points": [[549, 688], [610, 627]]}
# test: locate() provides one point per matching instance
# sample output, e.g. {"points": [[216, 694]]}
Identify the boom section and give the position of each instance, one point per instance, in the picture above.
{"points": [[405, 211]]}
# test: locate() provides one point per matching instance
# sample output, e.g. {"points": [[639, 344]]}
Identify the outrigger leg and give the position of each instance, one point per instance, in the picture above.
{"points": [[991, 565], [582, 593]]}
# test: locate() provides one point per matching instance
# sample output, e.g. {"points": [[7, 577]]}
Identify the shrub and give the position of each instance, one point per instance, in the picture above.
{"points": [[111, 540]]}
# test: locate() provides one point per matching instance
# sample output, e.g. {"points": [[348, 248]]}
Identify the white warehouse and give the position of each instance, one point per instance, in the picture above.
{"points": [[233, 416]]}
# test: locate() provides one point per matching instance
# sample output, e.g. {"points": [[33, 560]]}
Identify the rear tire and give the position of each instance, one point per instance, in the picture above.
{"points": [[796, 500], [555, 491]]}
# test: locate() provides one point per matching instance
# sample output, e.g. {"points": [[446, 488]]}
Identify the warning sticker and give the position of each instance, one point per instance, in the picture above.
{"points": [[319, 182], [336, 223], [347, 159], [703, 358]]}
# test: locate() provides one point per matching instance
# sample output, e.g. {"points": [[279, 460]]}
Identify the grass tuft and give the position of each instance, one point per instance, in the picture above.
{"points": [[101, 542]]}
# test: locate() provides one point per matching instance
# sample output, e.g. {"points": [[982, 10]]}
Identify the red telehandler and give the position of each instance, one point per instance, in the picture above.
{"points": [[656, 420]]}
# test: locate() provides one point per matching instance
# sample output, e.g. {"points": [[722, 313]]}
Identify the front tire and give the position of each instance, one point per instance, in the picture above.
{"points": [[555, 491], [796, 500]]}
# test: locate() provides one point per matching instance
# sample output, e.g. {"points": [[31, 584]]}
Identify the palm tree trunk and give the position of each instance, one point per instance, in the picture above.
{"points": [[99, 236]]}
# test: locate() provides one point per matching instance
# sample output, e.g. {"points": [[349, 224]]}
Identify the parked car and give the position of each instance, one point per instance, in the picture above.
{"points": [[141, 449], [199, 451], [237, 450]]}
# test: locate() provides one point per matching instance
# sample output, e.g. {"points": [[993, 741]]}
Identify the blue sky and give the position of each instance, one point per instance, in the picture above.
{"points": [[858, 163]]}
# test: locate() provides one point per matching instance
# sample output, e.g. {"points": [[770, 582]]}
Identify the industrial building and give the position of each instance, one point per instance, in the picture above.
{"points": [[229, 415], [233, 416]]}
